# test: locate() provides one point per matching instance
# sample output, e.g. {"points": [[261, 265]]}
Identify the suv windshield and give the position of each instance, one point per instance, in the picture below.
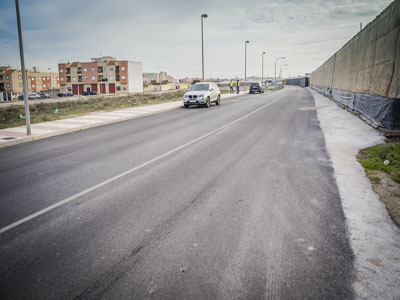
{"points": [[255, 84], [199, 87]]}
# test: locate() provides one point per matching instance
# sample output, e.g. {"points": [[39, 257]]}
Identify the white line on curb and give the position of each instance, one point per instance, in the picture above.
{"points": [[103, 183]]}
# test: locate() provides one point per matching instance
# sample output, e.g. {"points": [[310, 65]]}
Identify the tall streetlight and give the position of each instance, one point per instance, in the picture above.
{"points": [[51, 83], [245, 64], [202, 46], [262, 68], [280, 73], [21, 54], [275, 66]]}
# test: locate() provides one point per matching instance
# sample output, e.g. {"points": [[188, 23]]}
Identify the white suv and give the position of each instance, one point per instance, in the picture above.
{"points": [[202, 93]]}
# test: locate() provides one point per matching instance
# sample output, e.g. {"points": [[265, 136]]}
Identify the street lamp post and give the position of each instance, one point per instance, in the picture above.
{"points": [[245, 64], [275, 66], [280, 71], [51, 84], [202, 46], [21, 54], [262, 68]]}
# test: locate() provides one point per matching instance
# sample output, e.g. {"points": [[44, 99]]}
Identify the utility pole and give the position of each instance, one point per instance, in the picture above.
{"points": [[262, 68], [202, 46], [245, 65], [21, 54], [275, 66]]}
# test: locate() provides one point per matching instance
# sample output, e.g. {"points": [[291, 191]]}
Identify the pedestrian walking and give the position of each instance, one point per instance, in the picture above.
{"points": [[231, 87], [237, 86]]}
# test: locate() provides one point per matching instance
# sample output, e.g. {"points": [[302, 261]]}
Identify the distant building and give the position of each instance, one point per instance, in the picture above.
{"points": [[104, 75], [11, 80], [155, 78]]}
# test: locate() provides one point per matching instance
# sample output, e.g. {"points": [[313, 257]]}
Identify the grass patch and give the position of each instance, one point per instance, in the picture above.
{"points": [[42, 112], [372, 159]]}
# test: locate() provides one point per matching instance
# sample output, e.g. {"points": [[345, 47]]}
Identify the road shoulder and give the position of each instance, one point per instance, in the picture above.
{"points": [[374, 238]]}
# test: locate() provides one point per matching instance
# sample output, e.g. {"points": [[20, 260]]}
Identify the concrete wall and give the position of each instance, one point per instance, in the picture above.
{"points": [[370, 62], [135, 77]]}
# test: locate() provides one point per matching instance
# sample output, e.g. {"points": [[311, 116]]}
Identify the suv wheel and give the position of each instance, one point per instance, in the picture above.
{"points": [[218, 100], [186, 105], [207, 102]]}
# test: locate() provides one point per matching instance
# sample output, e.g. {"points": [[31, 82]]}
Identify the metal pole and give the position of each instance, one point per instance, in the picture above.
{"points": [[202, 47], [245, 65], [262, 68], [51, 83], [275, 66], [21, 53], [202, 51]]}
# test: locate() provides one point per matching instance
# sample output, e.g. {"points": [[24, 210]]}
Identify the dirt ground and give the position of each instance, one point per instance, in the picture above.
{"points": [[389, 193]]}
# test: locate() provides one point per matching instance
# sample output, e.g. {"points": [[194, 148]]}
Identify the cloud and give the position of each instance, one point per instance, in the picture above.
{"points": [[167, 33]]}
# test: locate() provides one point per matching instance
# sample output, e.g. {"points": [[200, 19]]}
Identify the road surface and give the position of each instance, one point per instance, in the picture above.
{"points": [[237, 201]]}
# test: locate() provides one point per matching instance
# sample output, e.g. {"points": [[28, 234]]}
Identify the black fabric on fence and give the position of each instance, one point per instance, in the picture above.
{"points": [[384, 112]]}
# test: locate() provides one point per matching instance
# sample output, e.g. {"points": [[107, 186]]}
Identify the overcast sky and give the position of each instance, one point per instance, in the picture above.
{"points": [[165, 35]]}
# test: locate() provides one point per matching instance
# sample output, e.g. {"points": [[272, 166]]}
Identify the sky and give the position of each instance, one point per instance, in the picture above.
{"points": [[166, 35]]}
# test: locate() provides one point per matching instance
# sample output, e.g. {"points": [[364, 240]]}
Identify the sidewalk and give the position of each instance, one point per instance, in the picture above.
{"points": [[17, 135]]}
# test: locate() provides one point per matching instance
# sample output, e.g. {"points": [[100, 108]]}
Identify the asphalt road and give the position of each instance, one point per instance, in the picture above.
{"points": [[237, 201]]}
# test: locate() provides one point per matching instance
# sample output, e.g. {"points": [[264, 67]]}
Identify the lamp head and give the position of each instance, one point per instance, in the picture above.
{"points": [[263, 52], [247, 42], [204, 16]]}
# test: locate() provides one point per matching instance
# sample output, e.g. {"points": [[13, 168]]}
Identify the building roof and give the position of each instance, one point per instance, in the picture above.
{"points": [[74, 64], [111, 63], [10, 71]]}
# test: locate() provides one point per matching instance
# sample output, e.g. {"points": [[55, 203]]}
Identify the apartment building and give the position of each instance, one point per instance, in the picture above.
{"points": [[11, 80], [103, 75]]}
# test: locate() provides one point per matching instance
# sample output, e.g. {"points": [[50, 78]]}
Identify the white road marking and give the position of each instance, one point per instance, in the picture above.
{"points": [[105, 182]]}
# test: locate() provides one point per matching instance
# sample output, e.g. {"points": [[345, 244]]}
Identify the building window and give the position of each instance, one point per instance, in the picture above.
{"points": [[123, 77], [44, 85], [79, 70], [8, 85], [62, 79], [61, 70], [118, 88], [79, 78], [7, 77], [85, 78], [111, 77], [19, 77], [73, 70], [48, 78], [73, 78], [1, 77], [124, 88], [33, 86], [33, 78], [122, 68], [20, 84], [111, 68], [92, 69], [99, 69], [84, 70], [93, 78], [63, 89]]}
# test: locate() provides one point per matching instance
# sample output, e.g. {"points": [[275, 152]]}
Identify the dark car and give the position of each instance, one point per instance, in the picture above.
{"points": [[68, 95], [21, 97], [92, 93], [44, 95], [256, 87], [85, 93], [61, 95]]}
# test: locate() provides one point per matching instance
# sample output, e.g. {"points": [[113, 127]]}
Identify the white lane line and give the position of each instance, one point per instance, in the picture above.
{"points": [[101, 184]]}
